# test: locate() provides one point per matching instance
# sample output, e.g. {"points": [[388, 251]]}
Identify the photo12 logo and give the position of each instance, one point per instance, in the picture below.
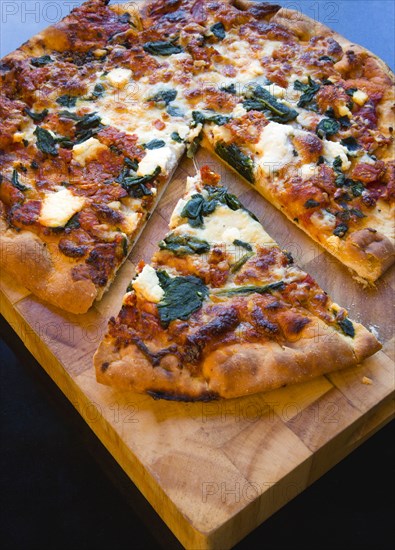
{"points": [[228, 492], [48, 12], [36, 12]]}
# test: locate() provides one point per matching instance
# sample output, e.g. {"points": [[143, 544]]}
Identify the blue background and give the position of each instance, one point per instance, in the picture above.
{"points": [[366, 22]]}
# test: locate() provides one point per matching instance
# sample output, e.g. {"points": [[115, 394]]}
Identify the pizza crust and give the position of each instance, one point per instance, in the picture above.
{"points": [[238, 369], [34, 265]]}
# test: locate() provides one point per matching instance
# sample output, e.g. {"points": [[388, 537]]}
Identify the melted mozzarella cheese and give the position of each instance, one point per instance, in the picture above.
{"points": [[308, 170], [238, 111], [176, 215], [332, 149], [226, 225], [57, 208], [87, 150], [274, 147], [323, 220], [118, 78], [165, 157], [147, 285]]}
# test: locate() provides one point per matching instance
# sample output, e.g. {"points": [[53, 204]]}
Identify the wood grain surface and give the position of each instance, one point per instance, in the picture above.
{"points": [[214, 471]]}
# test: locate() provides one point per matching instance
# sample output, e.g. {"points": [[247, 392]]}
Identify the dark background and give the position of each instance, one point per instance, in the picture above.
{"points": [[61, 489]]}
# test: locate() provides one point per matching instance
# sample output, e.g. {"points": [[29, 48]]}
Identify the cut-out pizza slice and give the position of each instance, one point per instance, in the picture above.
{"points": [[222, 311]]}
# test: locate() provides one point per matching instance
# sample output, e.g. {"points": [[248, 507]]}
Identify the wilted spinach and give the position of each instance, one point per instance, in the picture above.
{"points": [[235, 157], [218, 30], [161, 47], [182, 297], [347, 327], [259, 99], [251, 289], [45, 141], [327, 127], [309, 90], [182, 245]]}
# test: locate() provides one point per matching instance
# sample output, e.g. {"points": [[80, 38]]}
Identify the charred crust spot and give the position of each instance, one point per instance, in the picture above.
{"points": [[26, 214], [107, 214], [169, 396], [71, 249], [261, 322], [297, 324], [104, 366], [226, 321], [154, 357]]}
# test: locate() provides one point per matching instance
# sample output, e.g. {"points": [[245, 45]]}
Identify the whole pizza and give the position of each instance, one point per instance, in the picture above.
{"points": [[96, 113]]}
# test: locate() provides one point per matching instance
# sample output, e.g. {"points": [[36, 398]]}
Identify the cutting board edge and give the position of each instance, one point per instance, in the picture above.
{"points": [[182, 528]]}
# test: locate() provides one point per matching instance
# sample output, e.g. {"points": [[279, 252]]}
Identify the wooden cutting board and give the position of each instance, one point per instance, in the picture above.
{"points": [[215, 471]]}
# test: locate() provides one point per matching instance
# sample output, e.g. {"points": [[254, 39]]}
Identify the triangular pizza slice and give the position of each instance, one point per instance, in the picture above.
{"points": [[222, 311]]}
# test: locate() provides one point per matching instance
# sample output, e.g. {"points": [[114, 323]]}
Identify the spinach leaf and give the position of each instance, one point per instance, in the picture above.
{"points": [[175, 136], [37, 117], [65, 142], [45, 142], [340, 230], [357, 212], [351, 91], [201, 118], [173, 110], [326, 58], [347, 327], [327, 127], [161, 47], [357, 188], [41, 61], [133, 164], [98, 91], [182, 245], [69, 115], [183, 296], [74, 222], [154, 144], [218, 30], [311, 203], [241, 162], [67, 101], [340, 179], [194, 145], [193, 210], [16, 183], [164, 97], [88, 126], [239, 264], [251, 289], [344, 121], [351, 144], [260, 99], [230, 89], [309, 90], [198, 206], [220, 194], [242, 244], [135, 185]]}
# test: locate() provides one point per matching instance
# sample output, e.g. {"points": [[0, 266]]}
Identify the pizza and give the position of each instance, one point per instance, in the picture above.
{"points": [[84, 155], [222, 311], [97, 110]]}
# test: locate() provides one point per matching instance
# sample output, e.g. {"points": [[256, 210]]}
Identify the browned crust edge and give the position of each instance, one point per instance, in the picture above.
{"points": [[239, 369], [34, 265], [368, 253]]}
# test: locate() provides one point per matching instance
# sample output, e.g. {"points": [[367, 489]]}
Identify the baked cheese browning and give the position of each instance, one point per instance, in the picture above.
{"points": [[98, 109], [202, 296], [73, 175]]}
